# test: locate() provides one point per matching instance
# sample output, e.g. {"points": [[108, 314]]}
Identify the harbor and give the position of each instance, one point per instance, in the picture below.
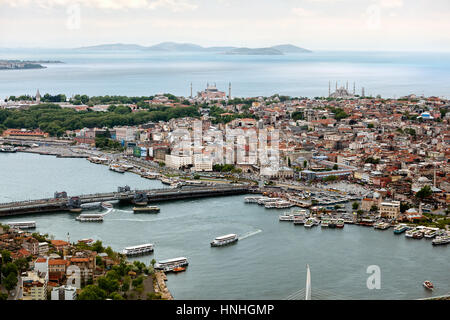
{"points": [[239, 270]]}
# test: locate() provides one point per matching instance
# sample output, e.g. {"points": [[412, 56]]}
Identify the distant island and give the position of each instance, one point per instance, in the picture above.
{"points": [[190, 47], [19, 64]]}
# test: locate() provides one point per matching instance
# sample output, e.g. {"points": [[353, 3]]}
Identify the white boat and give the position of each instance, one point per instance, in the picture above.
{"points": [[286, 217], [429, 234], [116, 168], [410, 233], [23, 225], [309, 223], [106, 205], [224, 240], [169, 264], [440, 240], [252, 199], [90, 217], [299, 218], [138, 250]]}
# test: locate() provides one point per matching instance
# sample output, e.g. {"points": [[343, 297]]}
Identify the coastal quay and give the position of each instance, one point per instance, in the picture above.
{"points": [[160, 285]]}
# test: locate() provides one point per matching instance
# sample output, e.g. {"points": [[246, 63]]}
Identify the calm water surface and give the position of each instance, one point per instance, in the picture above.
{"points": [[267, 263], [390, 74]]}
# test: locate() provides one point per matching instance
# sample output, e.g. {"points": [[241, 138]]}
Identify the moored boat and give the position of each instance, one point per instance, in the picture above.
{"points": [[116, 168], [286, 217], [429, 234], [170, 264], [22, 224], [418, 235], [441, 240], [400, 228], [149, 209], [340, 223]]}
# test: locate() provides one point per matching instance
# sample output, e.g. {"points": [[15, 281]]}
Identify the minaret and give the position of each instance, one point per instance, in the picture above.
{"points": [[363, 94], [336, 85], [229, 91], [38, 96], [346, 86], [329, 89], [191, 90], [434, 176], [354, 88]]}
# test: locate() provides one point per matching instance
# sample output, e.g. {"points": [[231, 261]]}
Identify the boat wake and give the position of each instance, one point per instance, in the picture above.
{"points": [[249, 234], [107, 212]]}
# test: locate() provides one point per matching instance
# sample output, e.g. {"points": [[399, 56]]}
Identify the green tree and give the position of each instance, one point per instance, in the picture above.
{"points": [[92, 292], [425, 192], [355, 205], [10, 281]]}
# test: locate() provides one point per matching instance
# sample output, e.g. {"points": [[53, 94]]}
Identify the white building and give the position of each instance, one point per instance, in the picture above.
{"points": [[390, 209], [202, 163], [41, 265], [64, 293], [43, 248], [125, 133], [35, 285], [176, 162]]}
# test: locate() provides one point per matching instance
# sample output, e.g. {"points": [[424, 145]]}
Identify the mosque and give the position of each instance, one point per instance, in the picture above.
{"points": [[342, 92]]}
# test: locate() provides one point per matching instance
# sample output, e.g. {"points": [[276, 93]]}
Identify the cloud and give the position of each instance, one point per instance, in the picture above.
{"points": [[175, 5], [391, 3], [301, 12]]}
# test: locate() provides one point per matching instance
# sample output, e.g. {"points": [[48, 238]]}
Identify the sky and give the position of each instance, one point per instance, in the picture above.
{"points": [[392, 25]]}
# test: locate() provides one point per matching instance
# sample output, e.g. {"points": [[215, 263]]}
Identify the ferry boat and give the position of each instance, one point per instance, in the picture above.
{"points": [[90, 217], [299, 218], [409, 233], [149, 209], [252, 199], [126, 166], [22, 225], [440, 240], [340, 223], [332, 223], [286, 217], [381, 225], [366, 222], [428, 285], [116, 168], [264, 200], [324, 223], [170, 264], [86, 241], [431, 233], [165, 180], [400, 228], [8, 149], [224, 240], [138, 250]]}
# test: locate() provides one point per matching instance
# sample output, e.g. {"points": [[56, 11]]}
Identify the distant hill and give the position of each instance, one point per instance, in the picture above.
{"points": [[114, 47], [190, 47], [257, 51], [173, 46], [289, 48]]}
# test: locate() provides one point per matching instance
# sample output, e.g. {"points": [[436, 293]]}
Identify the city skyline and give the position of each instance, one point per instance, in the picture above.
{"points": [[382, 25]]}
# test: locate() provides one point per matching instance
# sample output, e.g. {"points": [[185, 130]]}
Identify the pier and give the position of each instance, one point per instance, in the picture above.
{"points": [[64, 203]]}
